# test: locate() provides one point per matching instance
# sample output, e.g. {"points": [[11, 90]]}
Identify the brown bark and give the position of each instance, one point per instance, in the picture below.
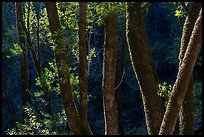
{"points": [[63, 70], [109, 72], [23, 57], [186, 116], [8, 100], [143, 66], [121, 73], [83, 72], [183, 78]]}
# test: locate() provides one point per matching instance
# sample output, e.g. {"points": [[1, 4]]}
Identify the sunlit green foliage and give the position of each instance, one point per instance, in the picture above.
{"points": [[164, 90], [51, 77], [16, 50], [31, 125]]}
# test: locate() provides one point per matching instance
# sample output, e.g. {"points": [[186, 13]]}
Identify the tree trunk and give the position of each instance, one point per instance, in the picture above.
{"points": [[143, 66], [186, 123], [83, 72], [183, 78], [109, 72], [36, 60], [62, 68], [119, 88], [23, 57]]}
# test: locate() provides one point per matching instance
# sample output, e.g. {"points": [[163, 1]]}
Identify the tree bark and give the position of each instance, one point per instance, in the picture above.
{"points": [[143, 66], [109, 72], [63, 70], [183, 78], [83, 72], [23, 55], [186, 116]]}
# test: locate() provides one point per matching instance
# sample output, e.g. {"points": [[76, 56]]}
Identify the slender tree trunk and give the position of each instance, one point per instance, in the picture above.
{"points": [[8, 100], [121, 73], [186, 123], [143, 66], [63, 70], [89, 47], [109, 72], [23, 56], [36, 60], [183, 78], [83, 72]]}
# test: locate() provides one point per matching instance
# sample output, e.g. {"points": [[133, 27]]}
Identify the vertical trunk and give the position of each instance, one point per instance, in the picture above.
{"points": [[36, 60], [109, 72], [89, 47], [23, 57], [8, 100], [62, 68], [183, 78], [121, 73], [83, 72], [143, 66], [186, 123]]}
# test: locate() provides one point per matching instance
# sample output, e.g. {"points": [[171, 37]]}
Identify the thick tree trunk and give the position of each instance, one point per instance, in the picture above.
{"points": [[120, 78], [143, 66], [186, 116], [183, 78], [109, 72], [83, 72], [23, 57], [8, 100], [63, 70]]}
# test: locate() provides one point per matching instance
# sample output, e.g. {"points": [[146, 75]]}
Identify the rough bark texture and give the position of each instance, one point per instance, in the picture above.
{"points": [[8, 100], [83, 72], [109, 72], [120, 78], [63, 70], [186, 116], [143, 66], [183, 78], [23, 57]]}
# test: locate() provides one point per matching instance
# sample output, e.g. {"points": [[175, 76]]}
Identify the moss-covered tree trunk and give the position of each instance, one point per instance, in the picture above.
{"points": [[186, 116], [143, 66], [62, 68], [83, 71], [183, 78], [23, 55], [109, 72]]}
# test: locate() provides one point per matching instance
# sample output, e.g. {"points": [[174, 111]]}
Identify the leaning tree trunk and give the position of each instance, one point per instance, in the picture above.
{"points": [[186, 116], [143, 66], [62, 68], [183, 78], [23, 55], [109, 72], [83, 72]]}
